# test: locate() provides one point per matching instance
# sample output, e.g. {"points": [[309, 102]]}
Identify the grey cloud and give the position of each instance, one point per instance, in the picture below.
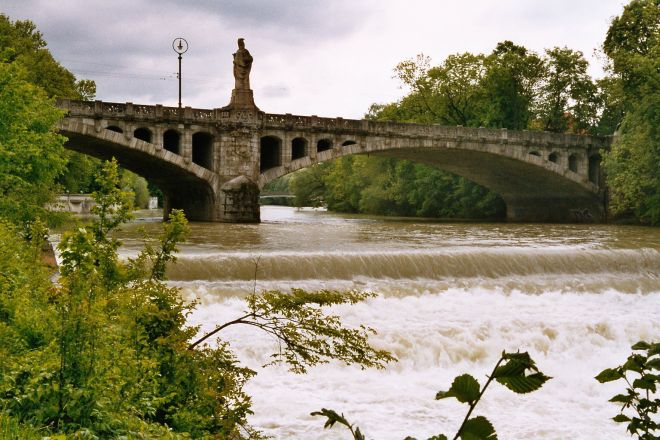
{"points": [[310, 18]]}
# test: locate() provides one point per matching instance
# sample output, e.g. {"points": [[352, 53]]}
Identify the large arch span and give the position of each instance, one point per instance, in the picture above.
{"points": [[184, 184], [534, 187]]}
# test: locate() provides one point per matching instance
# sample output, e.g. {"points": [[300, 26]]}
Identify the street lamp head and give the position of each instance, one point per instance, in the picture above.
{"points": [[180, 45]]}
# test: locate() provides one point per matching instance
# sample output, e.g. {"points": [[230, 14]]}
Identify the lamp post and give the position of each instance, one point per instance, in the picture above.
{"points": [[180, 46]]}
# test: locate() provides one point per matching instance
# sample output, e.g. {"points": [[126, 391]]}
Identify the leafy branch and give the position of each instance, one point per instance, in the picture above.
{"points": [[306, 335], [516, 371], [638, 396], [333, 418]]}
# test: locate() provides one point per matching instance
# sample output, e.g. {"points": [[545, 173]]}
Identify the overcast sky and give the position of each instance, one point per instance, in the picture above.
{"points": [[322, 57]]}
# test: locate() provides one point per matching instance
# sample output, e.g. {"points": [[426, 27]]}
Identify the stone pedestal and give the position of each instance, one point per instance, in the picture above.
{"points": [[241, 99]]}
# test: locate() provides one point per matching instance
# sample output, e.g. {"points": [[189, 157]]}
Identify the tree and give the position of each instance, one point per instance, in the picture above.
{"points": [[510, 84], [631, 43], [633, 164], [31, 151], [448, 94], [308, 186], [568, 95], [24, 45]]}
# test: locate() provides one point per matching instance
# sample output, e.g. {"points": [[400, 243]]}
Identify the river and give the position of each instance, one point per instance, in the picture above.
{"points": [[452, 296]]}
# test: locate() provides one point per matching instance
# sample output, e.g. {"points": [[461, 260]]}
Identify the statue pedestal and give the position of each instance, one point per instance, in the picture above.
{"points": [[242, 99]]}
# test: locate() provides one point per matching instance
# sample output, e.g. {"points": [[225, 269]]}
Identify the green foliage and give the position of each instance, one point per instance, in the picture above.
{"points": [[516, 371], [465, 389], [23, 45], [138, 186], [568, 96], [31, 151], [306, 335], [513, 74], [333, 418], [639, 404], [106, 352], [633, 164], [387, 186], [308, 186]]}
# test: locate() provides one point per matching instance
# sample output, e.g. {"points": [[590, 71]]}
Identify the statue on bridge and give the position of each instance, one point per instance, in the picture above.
{"points": [[241, 96], [242, 66]]}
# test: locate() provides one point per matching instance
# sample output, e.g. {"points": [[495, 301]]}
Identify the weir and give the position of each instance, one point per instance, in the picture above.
{"points": [[213, 163]]}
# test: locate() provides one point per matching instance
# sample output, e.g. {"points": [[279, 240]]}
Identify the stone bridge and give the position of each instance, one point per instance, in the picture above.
{"points": [[213, 163]]}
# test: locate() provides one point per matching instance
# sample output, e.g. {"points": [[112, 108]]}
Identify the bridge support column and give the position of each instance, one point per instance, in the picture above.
{"points": [[238, 201]]}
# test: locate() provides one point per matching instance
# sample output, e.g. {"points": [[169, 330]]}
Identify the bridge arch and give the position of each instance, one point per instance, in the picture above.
{"points": [[202, 149], [172, 141], [270, 152], [115, 128], [573, 162], [299, 148], [532, 186], [143, 133], [323, 144], [185, 185]]}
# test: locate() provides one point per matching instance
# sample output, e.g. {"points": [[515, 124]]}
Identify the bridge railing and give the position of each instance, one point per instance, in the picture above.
{"points": [[115, 110], [481, 134]]}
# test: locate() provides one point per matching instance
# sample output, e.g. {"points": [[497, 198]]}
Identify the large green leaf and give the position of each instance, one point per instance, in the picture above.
{"points": [[465, 388], [641, 345], [653, 364], [478, 428], [609, 375], [524, 384], [514, 374], [620, 418]]}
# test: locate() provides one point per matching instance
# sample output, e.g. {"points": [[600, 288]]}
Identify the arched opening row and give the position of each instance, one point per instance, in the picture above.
{"points": [[270, 150], [202, 143]]}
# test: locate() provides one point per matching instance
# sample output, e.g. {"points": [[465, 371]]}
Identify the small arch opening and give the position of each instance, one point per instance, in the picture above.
{"points": [[202, 150], [553, 157], [323, 145], [171, 141], [348, 142], [298, 148], [535, 153], [144, 134], [270, 153], [114, 128], [573, 163], [594, 169]]}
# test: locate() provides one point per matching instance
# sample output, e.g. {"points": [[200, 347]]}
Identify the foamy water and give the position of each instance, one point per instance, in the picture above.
{"points": [[452, 297]]}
